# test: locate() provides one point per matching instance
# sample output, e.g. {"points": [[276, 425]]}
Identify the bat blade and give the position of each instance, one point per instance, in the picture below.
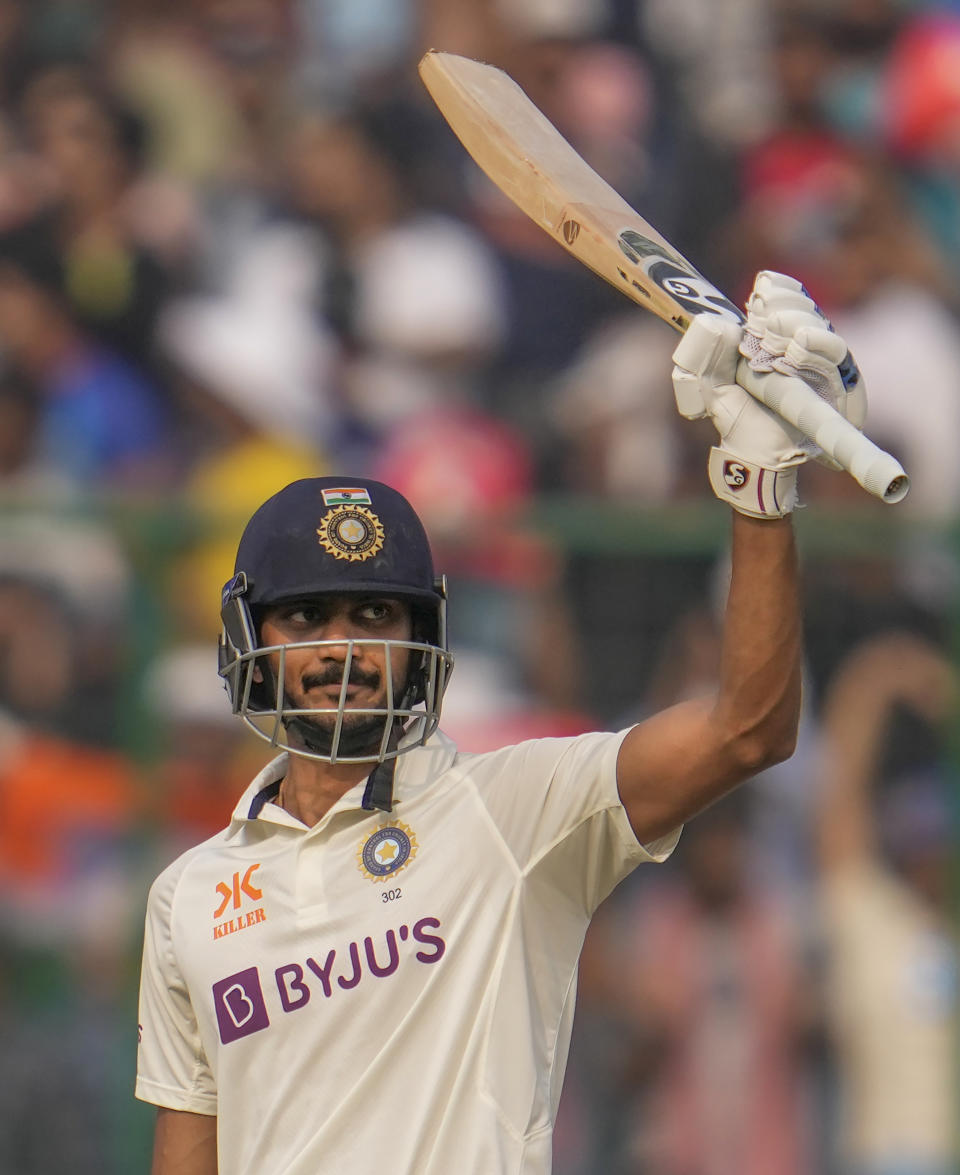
{"points": [[525, 155], [528, 159]]}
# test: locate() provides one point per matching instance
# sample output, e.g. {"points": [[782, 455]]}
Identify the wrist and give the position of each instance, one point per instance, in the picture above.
{"points": [[751, 488]]}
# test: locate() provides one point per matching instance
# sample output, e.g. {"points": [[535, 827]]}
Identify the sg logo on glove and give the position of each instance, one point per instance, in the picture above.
{"points": [[735, 474]]}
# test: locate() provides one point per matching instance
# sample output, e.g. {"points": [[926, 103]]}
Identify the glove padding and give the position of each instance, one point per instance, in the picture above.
{"points": [[754, 468], [786, 331]]}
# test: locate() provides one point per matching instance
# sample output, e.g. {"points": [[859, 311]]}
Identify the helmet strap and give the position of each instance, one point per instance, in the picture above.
{"points": [[379, 790]]}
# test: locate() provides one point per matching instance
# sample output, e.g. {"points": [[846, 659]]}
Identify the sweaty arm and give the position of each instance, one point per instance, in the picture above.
{"points": [[184, 1144], [675, 763]]}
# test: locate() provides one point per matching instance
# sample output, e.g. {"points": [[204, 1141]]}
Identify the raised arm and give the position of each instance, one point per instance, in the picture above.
{"points": [[184, 1144], [677, 762]]}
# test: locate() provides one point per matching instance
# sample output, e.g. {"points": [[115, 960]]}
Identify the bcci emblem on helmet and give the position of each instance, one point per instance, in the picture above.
{"points": [[351, 532]]}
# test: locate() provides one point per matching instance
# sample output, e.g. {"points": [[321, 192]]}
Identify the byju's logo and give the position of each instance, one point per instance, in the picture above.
{"points": [[240, 1006]]}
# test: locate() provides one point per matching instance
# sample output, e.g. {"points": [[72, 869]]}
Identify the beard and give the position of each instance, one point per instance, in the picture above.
{"points": [[360, 734]]}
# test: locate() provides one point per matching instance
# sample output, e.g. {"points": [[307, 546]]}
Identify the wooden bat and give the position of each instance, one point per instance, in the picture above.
{"points": [[524, 154]]}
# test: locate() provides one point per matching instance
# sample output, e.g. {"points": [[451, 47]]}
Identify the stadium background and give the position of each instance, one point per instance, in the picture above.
{"points": [[238, 246]]}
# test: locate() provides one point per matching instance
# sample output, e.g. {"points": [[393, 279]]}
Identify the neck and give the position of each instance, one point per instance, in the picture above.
{"points": [[311, 788]]}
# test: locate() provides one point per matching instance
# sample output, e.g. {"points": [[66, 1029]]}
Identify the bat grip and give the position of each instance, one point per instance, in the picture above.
{"points": [[878, 472]]}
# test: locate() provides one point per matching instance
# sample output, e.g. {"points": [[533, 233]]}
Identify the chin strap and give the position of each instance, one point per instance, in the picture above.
{"points": [[379, 790]]}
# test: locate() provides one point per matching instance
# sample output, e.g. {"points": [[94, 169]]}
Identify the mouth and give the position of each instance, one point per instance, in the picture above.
{"points": [[330, 691]]}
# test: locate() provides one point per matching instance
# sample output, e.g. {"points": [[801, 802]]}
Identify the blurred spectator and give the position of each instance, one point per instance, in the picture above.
{"points": [[204, 755], [21, 470], [71, 816], [102, 421], [69, 841], [64, 584], [359, 43], [718, 990], [414, 294], [615, 414], [862, 590], [122, 234], [253, 372], [70, 838], [886, 841], [720, 55], [208, 77], [256, 356], [54, 1112], [918, 115]]}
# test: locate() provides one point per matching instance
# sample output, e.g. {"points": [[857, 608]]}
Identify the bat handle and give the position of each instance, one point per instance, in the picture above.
{"points": [[878, 472]]}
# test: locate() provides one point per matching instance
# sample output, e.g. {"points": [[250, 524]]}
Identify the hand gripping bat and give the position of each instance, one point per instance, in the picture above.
{"points": [[524, 154]]}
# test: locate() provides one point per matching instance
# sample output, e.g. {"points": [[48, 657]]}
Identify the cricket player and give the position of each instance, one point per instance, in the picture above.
{"points": [[373, 967]]}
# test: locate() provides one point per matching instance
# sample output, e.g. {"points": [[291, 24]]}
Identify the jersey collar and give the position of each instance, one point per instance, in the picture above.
{"points": [[413, 769]]}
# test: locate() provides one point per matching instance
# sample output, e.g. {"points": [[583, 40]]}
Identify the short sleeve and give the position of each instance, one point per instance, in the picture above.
{"points": [[555, 802], [172, 1068]]}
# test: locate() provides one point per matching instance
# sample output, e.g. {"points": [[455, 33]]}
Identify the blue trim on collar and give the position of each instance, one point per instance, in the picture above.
{"points": [[270, 792]]}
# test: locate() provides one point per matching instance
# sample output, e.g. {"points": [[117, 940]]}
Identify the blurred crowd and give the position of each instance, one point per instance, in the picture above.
{"points": [[239, 246]]}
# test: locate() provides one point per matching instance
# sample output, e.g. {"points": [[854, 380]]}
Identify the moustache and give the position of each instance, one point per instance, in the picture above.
{"points": [[334, 676]]}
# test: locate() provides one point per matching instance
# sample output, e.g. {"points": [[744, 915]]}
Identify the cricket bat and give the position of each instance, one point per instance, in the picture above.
{"points": [[524, 154]]}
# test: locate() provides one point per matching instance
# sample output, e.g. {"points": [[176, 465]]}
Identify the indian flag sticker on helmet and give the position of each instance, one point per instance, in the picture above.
{"points": [[346, 496], [386, 851], [352, 533]]}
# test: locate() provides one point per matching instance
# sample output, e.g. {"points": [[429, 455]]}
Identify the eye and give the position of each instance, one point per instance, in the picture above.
{"points": [[303, 615], [376, 611]]}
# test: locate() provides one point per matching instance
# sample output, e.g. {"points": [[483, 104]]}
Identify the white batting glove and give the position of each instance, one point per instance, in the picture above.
{"points": [[786, 331], [754, 468]]}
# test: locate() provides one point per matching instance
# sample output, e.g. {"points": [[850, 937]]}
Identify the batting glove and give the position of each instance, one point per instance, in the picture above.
{"points": [[754, 468], [786, 331]]}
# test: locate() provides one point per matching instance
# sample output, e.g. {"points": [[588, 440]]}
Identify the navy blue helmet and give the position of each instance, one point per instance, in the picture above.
{"points": [[335, 535]]}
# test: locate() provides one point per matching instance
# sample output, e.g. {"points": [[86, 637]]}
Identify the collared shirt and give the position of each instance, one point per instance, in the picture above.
{"points": [[387, 988]]}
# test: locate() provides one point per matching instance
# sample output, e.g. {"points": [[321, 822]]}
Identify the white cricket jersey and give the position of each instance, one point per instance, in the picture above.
{"points": [[387, 990]]}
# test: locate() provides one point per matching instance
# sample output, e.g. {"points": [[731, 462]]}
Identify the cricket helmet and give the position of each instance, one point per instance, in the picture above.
{"points": [[335, 535]]}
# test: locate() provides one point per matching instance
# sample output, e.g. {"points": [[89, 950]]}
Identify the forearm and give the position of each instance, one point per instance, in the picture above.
{"points": [[674, 764], [758, 703], [184, 1144]]}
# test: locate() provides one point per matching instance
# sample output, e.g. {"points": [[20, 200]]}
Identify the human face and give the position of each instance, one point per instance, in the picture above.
{"points": [[313, 675]]}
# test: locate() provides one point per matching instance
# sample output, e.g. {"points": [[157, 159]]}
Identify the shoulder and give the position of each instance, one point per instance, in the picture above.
{"points": [[440, 755], [544, 754], [167, 884]]}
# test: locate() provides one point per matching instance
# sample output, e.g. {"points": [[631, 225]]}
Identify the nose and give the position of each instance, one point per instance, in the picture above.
{"points": [[338, 629]]}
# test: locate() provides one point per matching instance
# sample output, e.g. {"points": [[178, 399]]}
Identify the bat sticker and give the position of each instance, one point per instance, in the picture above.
{"points": [[849, 372], [669, 271], [571, 230]]}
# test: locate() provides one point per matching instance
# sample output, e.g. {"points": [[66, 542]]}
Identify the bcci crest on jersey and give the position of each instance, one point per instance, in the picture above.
{"points": [[385, 852]]}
